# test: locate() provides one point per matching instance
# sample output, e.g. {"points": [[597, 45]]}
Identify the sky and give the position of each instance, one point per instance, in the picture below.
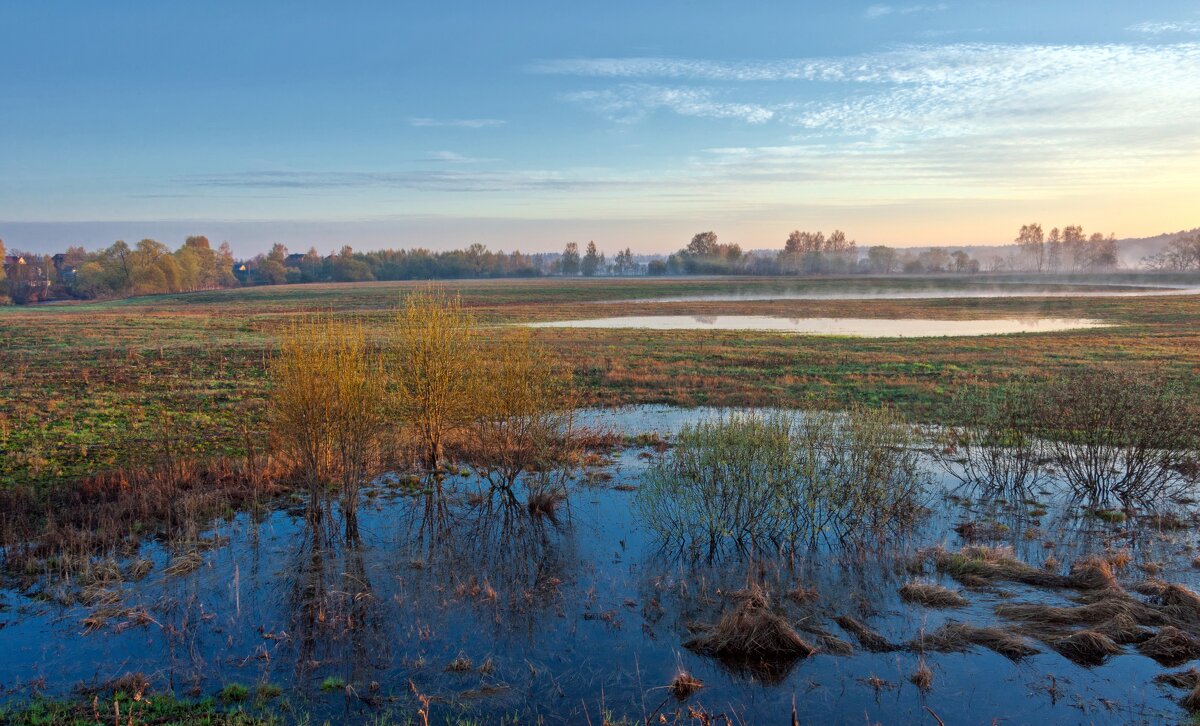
{"points": [[525, 125]]}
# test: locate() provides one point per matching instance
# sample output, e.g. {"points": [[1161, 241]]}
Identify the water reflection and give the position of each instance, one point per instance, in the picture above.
{"points": [[493, 610]]}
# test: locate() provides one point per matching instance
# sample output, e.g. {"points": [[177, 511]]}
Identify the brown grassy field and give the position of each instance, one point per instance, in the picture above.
{"points": [[85, 387]]}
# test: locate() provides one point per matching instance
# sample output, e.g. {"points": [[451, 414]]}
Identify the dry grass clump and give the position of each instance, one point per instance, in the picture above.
{"points": [[869, 639], [974, 530], [1176, 600], [752, 633], [683, 685], [834, 645], [1094, 573], [931, 595], [1171, 646], [140, 568], [129, 684], [1119, 559], [829, 643], [1124, 630], [956, 637], [1188, 679], [975, 564], [1092, 613], [803, 595], [1086, 647], [183, 564], [1192, 700], [922, 677], [461, 664]]}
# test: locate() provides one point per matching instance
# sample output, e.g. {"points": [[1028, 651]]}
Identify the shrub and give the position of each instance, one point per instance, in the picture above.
{"points": [[778, 479], [433, 366], [325, 404], [1116, 433], [524, 421], [998, 449]]}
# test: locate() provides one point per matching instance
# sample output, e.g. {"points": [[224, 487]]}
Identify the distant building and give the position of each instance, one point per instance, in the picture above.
{"points": [[293, 260], [241, 271], [66, 272], [27, 282]]}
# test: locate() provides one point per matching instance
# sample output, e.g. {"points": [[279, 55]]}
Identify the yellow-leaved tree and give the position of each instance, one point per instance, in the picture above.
{"points": [[327, 398], [434, 365], [524, 421]]}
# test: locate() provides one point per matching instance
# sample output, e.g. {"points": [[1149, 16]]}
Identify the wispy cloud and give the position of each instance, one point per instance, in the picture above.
{"points": [[453, 157], [875, 12], [463, 123], [971, 112], [631, 102], [1166, 27], [415, 180], [692, 69]]}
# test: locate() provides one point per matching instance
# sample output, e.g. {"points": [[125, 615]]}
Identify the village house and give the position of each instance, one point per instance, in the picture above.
{"points": [[66, 273]]}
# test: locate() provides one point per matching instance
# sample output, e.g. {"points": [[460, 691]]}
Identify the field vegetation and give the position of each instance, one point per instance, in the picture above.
{"points": [[86, 388]]}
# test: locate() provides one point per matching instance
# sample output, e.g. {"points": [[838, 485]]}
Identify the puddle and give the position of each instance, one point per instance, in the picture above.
{"points": [[496, 614], [855, 327]]}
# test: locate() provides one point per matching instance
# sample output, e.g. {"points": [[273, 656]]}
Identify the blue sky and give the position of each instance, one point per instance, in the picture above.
{"points": [[530, 124]]}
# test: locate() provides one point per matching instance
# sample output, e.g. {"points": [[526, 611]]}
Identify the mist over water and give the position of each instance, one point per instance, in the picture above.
{"points": [[857, 327], [933, 293]]}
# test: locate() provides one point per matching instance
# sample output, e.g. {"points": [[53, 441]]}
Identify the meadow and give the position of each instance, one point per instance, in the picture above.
{"points": [[89, 386], [626, 526]]}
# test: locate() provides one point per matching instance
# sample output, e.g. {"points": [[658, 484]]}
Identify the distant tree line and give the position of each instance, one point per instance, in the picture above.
{"points": [[278, 266], [810, 253], [118, 270], [150, 267], [1181, 255], [1066, 250]]}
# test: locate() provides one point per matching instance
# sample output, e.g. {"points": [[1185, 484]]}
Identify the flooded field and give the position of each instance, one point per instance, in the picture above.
{"points": [[856, 327], [473, 606]]}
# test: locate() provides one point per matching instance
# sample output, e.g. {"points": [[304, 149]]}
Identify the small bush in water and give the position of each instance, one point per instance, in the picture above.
{"points": [[754, 480], [1119, 434], [998, 449]]}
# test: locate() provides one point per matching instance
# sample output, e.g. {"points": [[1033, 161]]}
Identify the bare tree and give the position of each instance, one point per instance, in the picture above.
{"points": [[1032, 243]]}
